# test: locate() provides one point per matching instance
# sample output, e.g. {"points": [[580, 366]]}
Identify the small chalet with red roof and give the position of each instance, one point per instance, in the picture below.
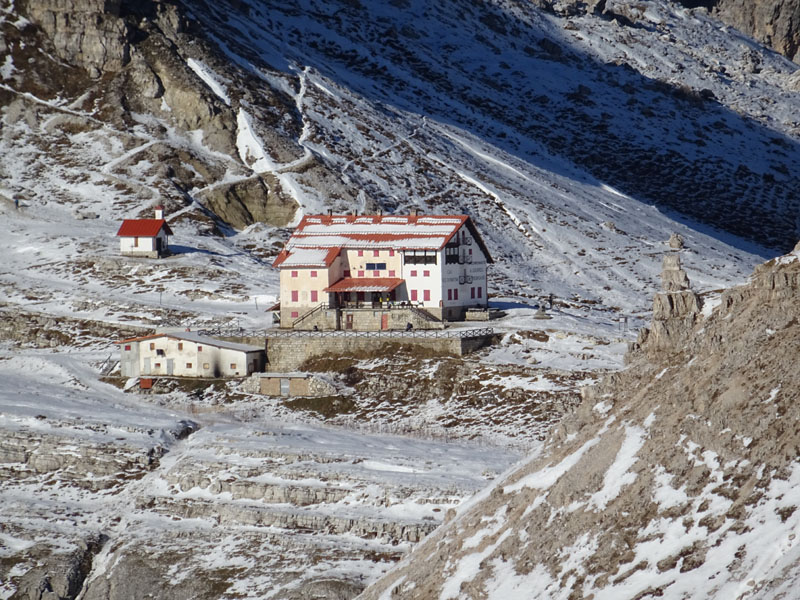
{"points": [[145, 237], [381, 271]]}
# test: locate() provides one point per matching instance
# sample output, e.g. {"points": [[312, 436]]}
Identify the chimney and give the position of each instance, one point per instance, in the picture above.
{"points": [[413, 212], [330, 212], [159, 210]]}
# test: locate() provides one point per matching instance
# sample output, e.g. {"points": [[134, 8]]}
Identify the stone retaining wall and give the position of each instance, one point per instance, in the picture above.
{"points": [[289, 353]]}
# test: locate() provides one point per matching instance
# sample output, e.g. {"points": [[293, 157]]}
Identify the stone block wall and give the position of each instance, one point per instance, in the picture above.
{"points": [[289, 353]]}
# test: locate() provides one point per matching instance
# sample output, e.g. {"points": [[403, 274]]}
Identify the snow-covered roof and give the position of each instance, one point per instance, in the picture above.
{"points": [[191, 336], [307, 257], [319, 233], [143, 227], [365, 284]]}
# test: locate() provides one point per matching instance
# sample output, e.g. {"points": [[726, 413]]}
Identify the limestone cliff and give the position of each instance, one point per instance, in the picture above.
{"points": [[776, 23], [674, 478]]}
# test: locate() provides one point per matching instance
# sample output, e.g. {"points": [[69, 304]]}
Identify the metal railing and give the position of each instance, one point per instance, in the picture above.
{"points": [[413, 333]]}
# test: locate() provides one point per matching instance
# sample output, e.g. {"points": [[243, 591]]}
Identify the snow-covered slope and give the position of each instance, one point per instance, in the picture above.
{"points": [[676, 478]]}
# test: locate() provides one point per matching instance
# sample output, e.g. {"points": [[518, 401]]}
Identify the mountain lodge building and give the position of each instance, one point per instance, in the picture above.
{"points": [[381, 271]]}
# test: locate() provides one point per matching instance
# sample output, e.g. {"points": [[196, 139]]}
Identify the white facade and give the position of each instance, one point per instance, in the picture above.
{"points": [[444, 281], [188, 355], [146, 246]]}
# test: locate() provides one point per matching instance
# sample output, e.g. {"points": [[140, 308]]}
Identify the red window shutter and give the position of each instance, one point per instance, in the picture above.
{"points": [[426, 295], [361, 273], [472, 292], [199, 348], [127, 346], [346, 273], [392, 274], [361, 253], [295, 314], [480, 292], [455, 294], [294, 273], [295, 295], [426, 273], [449, 294], [313, 273], [391, 252], [413, 274], [376, 253], [376, 273], [313, 295], [414, 295]]}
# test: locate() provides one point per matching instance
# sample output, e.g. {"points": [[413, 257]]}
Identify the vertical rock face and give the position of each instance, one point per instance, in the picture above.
{"points": [[773, 22], [86, 33]]}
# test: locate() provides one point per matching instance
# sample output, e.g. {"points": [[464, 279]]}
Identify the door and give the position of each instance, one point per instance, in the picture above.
{"points": [[385, 321], [284, 386], [170, 366], [348, 321], [146, 366]]}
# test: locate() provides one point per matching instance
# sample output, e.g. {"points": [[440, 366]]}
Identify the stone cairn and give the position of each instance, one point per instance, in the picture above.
{"points": [[675, 311]]}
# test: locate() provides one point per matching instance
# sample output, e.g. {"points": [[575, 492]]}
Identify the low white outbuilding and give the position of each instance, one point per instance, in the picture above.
{"points": [[147, 238], [188, 354]]}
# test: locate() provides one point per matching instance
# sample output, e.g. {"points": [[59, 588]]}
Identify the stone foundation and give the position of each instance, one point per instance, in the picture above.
{"points": [[290, 352]]}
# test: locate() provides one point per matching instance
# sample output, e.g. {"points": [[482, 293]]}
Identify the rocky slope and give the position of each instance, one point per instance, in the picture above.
{"points": [[675, 478]]}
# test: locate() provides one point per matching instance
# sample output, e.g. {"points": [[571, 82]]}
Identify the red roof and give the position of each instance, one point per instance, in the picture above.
{"points": [[365, 284], [143, 228], [320, 233]]}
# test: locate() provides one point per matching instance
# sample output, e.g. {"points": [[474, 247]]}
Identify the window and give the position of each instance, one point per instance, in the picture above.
{"points": [[313, 273], [472, 292], [361, 253], [376, 253], [360, 296], [413, 274], [480, 292], [346, 273], [136, 242], [376, 273], [314, 295], [160, 352], [376, 266], [233, 366], [392, 273], [391, 252], [199, 348], [426, 295], [414, 295], [295, 314], [188, 365], [180, 345], [470, 251], [294, 273], [152, 346], [426, 273], [127, 347], [295, 296], [206, 366], [157, 365], [361, 273], [455, 294], [449, 294]]}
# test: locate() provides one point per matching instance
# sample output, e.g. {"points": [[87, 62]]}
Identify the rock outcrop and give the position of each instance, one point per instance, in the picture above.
{"points": [[675, 311], [86, 33], [673, 480], [776, 23]]}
